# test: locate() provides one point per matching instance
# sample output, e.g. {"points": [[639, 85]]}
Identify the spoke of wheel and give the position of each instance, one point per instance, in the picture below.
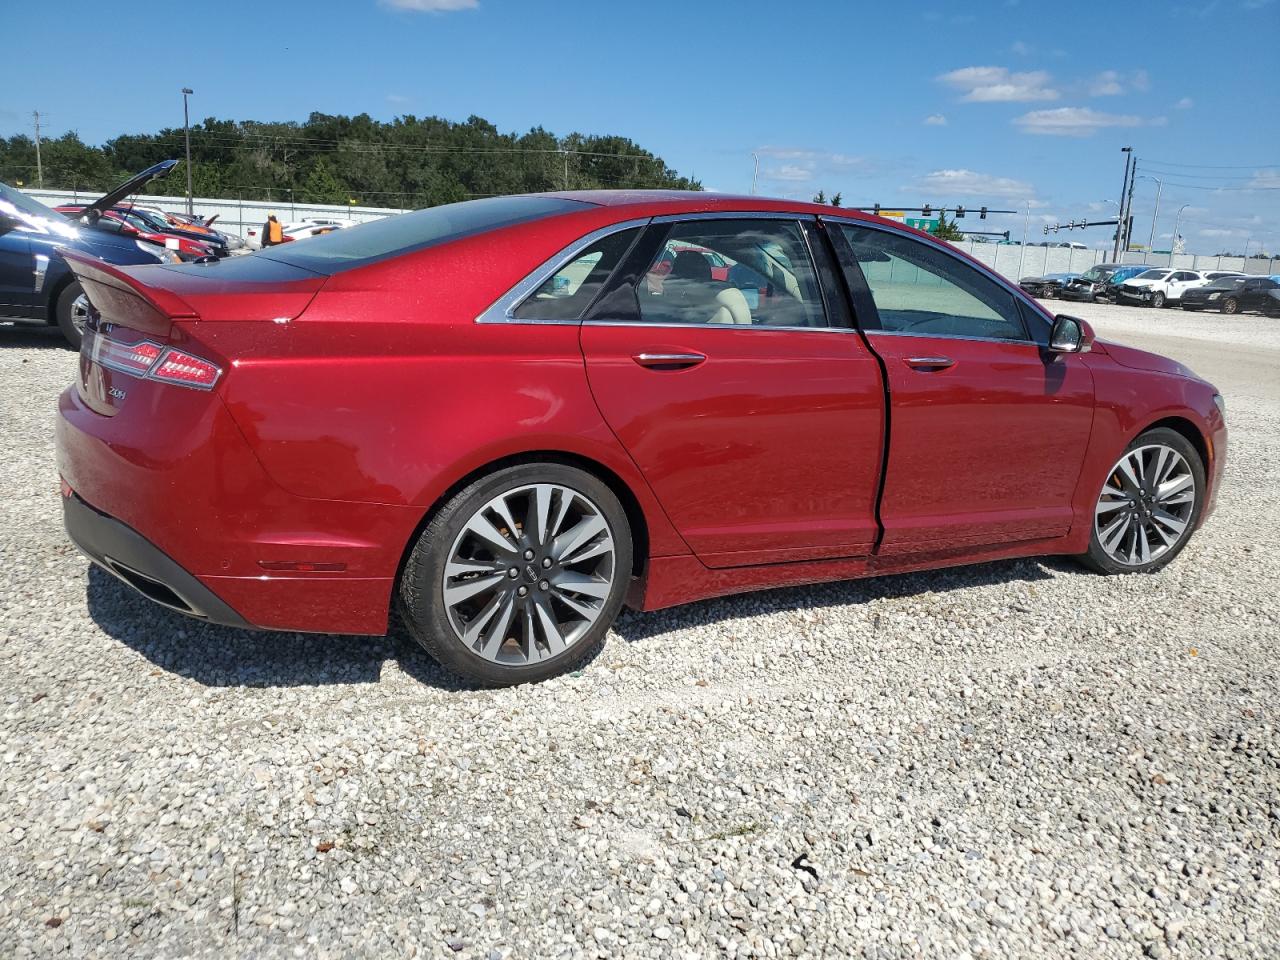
{"points": [[476, 627], [501, 508], [601, 546], [1165, 518], [1144, 545], [532, 651], [1166, 459], [566, 501], [501, 626], [1126, 467], [460, 566], [586, 528], [580, 583], [550, 629], [486, 531], [1113, 534], [455, 594], [1106, 506], [587, 613], [542, 512], [1169, 488]]}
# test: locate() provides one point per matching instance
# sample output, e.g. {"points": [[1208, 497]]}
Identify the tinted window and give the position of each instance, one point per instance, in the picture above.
{"points": [[391, 236], [1151, 275], [738, 271], [920, 289], [568, 291]]}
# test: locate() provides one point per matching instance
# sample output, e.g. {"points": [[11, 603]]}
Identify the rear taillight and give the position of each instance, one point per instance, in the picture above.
{"points": [[151, 361]]}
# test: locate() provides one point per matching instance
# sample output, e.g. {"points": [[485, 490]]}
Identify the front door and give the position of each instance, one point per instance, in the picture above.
{"points": [[751, 406], [987, 430], [17, 277]]}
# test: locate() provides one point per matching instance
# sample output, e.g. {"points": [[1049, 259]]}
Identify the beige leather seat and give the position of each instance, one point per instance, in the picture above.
{"points": [[700, 298], [731, 307]]}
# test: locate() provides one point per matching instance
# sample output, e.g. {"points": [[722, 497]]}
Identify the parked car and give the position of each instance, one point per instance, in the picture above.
{"points": [[511, 458], [36, 286], [1156, 288], [1093, 283], [1048, 286], [1235, 295], [1220, 274], [297, 229], [127, 224]]}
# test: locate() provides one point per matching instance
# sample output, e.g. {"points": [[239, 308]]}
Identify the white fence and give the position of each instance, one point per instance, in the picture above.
{"points": [[234, 216], [1011, 260]]}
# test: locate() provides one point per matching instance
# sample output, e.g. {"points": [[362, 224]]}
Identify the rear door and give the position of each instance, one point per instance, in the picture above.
{"points": [[987, 430], [749, 402]]}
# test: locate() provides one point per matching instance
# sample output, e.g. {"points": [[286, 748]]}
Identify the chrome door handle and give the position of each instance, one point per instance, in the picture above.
{"points": [[929, 363], [668, 361]]}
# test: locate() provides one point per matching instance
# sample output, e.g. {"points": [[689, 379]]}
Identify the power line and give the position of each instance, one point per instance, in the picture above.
{"points": [[1212, 166]]}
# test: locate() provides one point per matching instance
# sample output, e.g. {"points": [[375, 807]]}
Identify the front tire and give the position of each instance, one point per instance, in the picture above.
{"points": [[72, 312], [518, 577], [1149, 505], [1231, 305], [1157, 299]]}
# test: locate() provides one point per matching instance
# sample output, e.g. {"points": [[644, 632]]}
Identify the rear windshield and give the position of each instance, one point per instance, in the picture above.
{"points": [[369, 242], [1224, 283]]}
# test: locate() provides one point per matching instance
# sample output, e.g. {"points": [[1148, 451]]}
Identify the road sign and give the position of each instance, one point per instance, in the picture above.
{"points": [[892, 214], [922, 223]]}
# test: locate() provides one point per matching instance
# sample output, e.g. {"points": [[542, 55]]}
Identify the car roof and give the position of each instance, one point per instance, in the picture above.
{"points": [[700, 201]]}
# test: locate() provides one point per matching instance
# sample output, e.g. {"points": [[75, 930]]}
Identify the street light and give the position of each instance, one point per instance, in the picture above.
{"points": [[186, 129], [1176, 221], [1154, 216]]}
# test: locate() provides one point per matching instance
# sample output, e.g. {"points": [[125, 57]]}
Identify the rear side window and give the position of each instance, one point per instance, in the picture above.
{"points": [[570, 290], [407, 232]]}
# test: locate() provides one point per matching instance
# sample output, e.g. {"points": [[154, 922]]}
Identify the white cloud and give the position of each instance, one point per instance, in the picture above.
{"points": [[431, 6], [1140, 81], [1021, 48], [1106, 84], [397, 98], [967, 183], [1215, 232], [935, 120], [999, 85], [1186, 103], [789, 172], [1073, 121], [1266, 180]]}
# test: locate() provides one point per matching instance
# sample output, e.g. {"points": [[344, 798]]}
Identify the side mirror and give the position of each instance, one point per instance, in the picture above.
{"points": [[1070, 335]]}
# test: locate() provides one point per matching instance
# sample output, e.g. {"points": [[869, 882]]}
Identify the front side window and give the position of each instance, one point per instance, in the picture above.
{"points": [[921, 290], [568, 291], [734, 271]]}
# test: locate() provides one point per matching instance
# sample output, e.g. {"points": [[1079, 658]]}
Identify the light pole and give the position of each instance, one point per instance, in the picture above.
{"points": [[186, 129], [1022, 251], [1124, 185], [1151, 241], [755, 174], [1176, 221]]}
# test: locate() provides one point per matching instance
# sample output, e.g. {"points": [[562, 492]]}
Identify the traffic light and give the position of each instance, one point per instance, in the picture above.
{"points": [[1006, 236], [927, 210], [959, 212], [1046, 229], [982, 214], [877, 210]]}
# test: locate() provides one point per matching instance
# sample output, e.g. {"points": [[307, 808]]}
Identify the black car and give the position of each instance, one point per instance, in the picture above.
{"points": [[1050, 285], [1099, 281], [36, 287], [1235, 295]]}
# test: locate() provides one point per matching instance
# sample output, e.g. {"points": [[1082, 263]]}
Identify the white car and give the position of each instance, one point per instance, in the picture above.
{"points": [[1155, 288]]}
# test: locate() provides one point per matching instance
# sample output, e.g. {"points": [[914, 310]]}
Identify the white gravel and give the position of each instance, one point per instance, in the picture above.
{"points": [[1010, 760]]}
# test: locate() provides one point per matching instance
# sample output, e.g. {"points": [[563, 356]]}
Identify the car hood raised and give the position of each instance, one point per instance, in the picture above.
{"points": [[131, 186], [1136, 359]]}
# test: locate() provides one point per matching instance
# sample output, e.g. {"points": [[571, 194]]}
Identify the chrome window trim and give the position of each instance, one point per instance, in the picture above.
{"points": [[713, 326], [503, 309], [952, 336], [982, 268]]}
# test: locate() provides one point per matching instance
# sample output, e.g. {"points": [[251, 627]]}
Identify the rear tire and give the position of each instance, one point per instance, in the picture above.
{"points": [[518, 577], [71, 311], [1134, 521]]}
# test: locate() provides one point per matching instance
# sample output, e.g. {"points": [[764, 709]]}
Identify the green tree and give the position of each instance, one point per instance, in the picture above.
{"points": [[820, 197], [947, 229], [321, 186], [837, 199]]}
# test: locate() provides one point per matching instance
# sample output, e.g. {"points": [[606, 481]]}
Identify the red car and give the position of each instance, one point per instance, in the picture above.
{"points": [[133, 226], [483, 414]]}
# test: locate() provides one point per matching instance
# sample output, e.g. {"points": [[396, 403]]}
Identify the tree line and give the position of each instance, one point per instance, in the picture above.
{"points": [[408, 162]]}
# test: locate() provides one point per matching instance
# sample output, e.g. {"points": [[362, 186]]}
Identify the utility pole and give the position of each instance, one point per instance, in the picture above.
{"points": [[565, 154], [1124, 190], [755, 174], [1176, 221], [1124, 186], [186, 128], [39, 165], [1128, 206]]}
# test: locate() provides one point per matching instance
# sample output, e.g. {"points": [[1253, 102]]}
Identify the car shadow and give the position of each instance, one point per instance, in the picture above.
{"points": [[25, 335], [635, 627], [217, 656]]}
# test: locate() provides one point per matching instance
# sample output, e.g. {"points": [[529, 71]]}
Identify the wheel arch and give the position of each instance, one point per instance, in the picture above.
{"points": [[636, 517], [1189, 431], [55, 294]]}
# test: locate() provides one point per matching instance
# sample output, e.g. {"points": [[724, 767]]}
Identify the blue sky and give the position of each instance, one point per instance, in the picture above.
{"points": [[1001, 102]]}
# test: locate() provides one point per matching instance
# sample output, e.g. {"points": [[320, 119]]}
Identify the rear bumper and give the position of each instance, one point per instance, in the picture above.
{"points": [[131, 557]]}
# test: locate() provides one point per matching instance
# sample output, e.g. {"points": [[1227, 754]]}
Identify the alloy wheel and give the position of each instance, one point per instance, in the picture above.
{"points": [[1146, 504], [529, 574], [80, 313]]}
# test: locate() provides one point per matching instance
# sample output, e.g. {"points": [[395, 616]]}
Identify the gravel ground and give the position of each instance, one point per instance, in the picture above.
{"points": [[1009, 760]]}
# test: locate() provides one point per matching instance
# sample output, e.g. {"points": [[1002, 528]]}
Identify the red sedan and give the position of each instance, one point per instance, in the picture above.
{"points": [[486, 415]]}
